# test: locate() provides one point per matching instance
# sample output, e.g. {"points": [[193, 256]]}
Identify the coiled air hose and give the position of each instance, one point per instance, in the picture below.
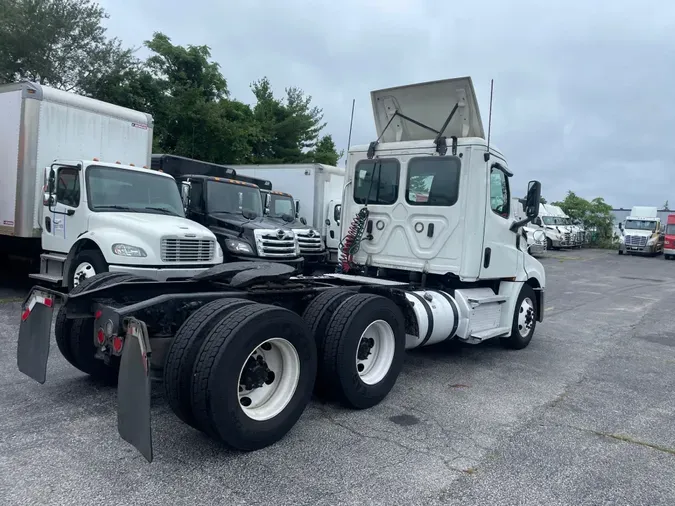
{"points": [[350, 244]]}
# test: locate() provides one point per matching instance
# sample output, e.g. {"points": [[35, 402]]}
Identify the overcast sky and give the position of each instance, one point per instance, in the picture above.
{"points": [[584, 91]]}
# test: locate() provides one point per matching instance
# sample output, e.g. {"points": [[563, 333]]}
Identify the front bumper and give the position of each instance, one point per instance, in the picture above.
{"points": [[639, 249], [537, 249], [160, 274]]}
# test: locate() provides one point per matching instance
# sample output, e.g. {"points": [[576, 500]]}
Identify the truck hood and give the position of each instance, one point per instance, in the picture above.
{"points": [[238, 222], [429, 103], [639, 233], [150, 225]]}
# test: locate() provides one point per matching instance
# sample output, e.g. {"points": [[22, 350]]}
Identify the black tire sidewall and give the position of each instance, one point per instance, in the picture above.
{"points": [[233, 426], [94, 257], [517, 341], [356, 392]]}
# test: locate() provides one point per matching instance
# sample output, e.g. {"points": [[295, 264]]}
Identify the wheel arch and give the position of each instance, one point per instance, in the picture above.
{"points": [[84, 243], [539, 295]]}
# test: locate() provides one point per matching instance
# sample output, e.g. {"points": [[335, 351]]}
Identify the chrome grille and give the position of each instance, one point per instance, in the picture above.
{"points": [[636, 240], [567, 238], [187, 250], [276, 243], [309, 241]]}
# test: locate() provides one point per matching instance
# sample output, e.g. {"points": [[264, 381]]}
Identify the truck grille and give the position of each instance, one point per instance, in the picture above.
{"points": [[276, 243], [187, 250], [309, 241], [567, 238], [636, 240]]}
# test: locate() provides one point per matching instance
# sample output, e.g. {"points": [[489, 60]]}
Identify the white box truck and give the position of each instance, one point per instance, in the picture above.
{"points": [[67, 199], [252, 340], [316, 189]]}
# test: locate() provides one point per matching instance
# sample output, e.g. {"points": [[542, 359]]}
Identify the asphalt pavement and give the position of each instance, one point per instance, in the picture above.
{"points": [[585, 415]]}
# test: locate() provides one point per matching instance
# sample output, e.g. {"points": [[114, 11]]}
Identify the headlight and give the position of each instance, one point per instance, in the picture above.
{"points": [[652, 241], [127, 250], [219, 250], [240, 247]]}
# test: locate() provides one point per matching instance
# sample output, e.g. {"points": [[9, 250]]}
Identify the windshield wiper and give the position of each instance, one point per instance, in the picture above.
{"points": [[120, 208], [163, 209]]}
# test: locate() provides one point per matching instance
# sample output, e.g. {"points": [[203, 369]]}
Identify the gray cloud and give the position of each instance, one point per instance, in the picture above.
{"points": [[583, 90]]}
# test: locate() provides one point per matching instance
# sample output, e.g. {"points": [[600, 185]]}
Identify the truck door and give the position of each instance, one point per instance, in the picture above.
{"points": [[65, 217], [500, 254], [333, 224]]}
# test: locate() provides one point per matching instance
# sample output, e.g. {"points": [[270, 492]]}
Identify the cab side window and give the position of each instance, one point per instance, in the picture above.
{"points": [[499, 192], [68, 187]]}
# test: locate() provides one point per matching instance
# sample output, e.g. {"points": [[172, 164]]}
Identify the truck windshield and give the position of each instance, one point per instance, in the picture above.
{"points": [[549, 220], [670, 229], [223, 197], [111, 189], [281, 205], [641, 225]]}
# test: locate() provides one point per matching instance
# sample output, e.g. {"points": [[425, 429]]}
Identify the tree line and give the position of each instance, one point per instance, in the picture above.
{"points": [[62, 43]]}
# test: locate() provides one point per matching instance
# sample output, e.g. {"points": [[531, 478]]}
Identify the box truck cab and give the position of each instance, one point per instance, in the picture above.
{"points": [[66, 201], [641, 232], [669, 238]]}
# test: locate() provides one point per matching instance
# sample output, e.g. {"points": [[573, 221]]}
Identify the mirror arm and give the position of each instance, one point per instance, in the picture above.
{"points": [[517, 224]]}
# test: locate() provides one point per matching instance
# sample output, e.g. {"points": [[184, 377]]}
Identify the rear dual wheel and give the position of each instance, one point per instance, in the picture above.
{"points": [[241, 372], [361, 343]]}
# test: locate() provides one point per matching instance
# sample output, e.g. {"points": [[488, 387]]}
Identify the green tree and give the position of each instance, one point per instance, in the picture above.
{"points": [[542, 200], [325, 151], [287, 130], [59, 43]]}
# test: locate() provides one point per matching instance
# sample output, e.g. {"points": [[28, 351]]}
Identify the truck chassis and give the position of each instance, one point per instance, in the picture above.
{"points": [[242, 346]]}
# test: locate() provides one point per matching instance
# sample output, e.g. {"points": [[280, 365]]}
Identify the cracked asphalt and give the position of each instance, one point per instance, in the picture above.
{"points": [[584, 415]]}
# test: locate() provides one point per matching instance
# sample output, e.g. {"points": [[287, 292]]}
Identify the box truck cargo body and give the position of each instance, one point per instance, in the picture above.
{"points": [[42, 124]]}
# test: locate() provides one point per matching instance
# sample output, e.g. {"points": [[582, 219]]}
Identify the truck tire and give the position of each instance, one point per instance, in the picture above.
{"points": [[86, 264], [184, 349], [364, 349], [235, 399], [318, 313], [74, 337], [524, 320]]}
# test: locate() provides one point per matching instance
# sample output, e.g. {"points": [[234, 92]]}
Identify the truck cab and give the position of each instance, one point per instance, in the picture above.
{"points": [[99, 217], [642, 232], [556, 227], [283, 209], [232, 208], [669, 238], [434, 199]]}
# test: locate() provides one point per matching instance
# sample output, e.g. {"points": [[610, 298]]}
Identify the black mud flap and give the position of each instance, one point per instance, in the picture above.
{"points": [[34, 332], [133, 389]]}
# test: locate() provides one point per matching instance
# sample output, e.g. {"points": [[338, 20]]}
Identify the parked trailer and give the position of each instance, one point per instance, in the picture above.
{"points": [[242, 346]]}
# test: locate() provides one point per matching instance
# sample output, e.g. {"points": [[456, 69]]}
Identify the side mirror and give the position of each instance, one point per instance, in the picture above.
{"points": [[303, 221], [185, 188], [532, 200], [297, 208], [621, 226], [51, 182]]}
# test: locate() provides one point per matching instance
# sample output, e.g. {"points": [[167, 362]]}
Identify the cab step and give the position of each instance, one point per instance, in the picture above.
{"points": [[482, 335], [49, 278]]}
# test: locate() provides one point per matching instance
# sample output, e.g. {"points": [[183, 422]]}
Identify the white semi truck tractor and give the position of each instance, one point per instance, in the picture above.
{"points": [[68, 201], [242, 346]]}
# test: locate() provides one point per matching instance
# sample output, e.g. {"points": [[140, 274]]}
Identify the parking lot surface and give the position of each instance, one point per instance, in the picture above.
{"points": [[584, 415]]}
